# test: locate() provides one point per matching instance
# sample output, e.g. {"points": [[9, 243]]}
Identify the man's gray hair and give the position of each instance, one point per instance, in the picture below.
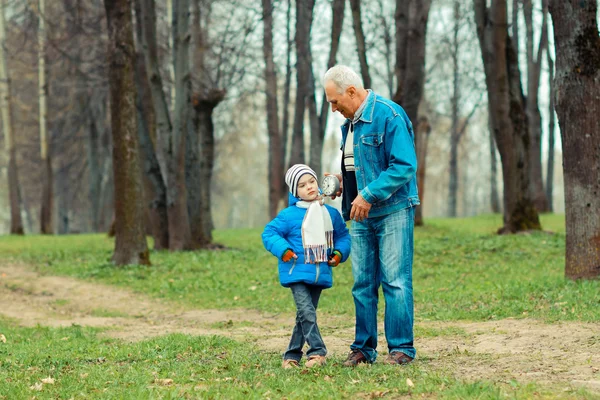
{"points": [[342, 77]]}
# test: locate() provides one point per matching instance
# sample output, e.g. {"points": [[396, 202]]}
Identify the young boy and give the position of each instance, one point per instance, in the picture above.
{"points": [[308, 238]]}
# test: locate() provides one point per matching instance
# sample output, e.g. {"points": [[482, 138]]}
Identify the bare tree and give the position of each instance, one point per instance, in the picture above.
{"points": [[494, 197], [411, 31], [319, 122], [154, 185], [47, 180], [360, 42], [16, 222], [130, 241], [577, 86], [276, 150], [304, 11], [507, 113], [534, 67], [551, 130]]}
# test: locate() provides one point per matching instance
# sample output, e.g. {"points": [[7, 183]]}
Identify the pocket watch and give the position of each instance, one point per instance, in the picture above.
{"points": [[330, 185]]}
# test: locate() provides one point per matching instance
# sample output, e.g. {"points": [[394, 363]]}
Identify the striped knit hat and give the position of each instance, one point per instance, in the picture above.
{"points": [[293, 175]]}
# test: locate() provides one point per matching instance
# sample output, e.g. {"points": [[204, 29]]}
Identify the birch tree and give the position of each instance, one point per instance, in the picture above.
{"points": [[16, 222], [130, 239], [576, 94]]}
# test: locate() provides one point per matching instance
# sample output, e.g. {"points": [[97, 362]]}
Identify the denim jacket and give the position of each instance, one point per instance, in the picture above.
{"points": [[385, 159]]}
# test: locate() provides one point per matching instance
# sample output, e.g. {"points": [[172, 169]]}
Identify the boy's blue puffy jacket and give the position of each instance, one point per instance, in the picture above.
{"points": [[285, 232]]}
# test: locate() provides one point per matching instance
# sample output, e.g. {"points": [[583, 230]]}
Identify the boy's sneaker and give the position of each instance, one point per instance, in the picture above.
{"points": [[398, 358], [315, 361], [289, 364]]}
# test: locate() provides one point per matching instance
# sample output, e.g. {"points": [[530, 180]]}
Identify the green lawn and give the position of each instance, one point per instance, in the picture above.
{"points": [[462, 271]]}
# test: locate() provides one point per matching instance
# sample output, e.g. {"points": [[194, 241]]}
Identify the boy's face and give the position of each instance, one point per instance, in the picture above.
{"points": [[308, 188]]}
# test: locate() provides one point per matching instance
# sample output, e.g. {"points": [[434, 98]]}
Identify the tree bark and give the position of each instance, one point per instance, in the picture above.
{"points": [[47, 201], [361, 45], [180, 236], [534, 67], [130, 241], [319, 122], [155, 191], [14, 195], [507, 113], [494, 197], [577, 86], [455, 134], [551, 131], [276, 150], [304, 9], [411, 32]]}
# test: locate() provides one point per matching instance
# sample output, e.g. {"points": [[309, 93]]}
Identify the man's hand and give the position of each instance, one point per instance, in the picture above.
{"points": [[288, 255], [360, 209], [339, 192]]}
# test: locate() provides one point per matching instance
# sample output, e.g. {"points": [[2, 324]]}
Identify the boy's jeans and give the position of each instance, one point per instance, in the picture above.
{"points": [[382, 253], [306, 298]]}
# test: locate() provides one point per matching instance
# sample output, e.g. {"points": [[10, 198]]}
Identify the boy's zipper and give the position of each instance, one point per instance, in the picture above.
{"points": [[293, 265], [318, 270]]}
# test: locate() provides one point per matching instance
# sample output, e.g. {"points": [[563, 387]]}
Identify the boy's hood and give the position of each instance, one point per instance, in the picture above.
{"points": [[292, 200]]}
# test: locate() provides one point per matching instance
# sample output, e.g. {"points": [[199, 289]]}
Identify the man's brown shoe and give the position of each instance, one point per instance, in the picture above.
{"points": [[354, 358], [398, 358]]}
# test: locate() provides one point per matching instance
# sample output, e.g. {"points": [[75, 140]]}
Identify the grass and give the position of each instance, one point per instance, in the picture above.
{"points": [[74, 362], [462, 271]]}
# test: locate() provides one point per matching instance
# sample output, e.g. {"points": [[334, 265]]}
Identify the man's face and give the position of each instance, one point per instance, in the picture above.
{"points": [[344, 103]]}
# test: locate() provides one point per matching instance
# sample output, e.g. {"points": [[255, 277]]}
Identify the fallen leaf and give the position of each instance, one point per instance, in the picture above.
{"points": [[2, 338], [37, 387], [252, 288], [48, 380], [164, 382], [83, 376], [409, 382]]}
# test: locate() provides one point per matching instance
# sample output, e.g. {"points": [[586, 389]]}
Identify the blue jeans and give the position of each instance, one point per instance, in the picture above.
{"points": [[306, 330], [382, 254]]}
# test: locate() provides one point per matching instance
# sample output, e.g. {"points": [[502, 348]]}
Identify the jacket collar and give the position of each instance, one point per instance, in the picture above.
{"points": [[367, 114]]}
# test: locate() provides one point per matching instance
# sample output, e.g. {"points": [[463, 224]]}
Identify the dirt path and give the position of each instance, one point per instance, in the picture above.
{"points": [[525, 350]]}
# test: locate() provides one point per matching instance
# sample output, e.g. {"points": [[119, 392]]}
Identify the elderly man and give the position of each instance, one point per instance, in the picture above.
{"points": [[379, 194]]}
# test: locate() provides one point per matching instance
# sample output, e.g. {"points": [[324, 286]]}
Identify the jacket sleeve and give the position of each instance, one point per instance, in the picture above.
{"points": [[273, 236], [400, 144], [341, 235]]}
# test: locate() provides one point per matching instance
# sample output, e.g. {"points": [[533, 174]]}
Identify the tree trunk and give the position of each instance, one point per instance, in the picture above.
{"points": [[411, 33], [551, 130], [424, 128], [285, 122], [360, 43], [202, 221], [155, 191], [303, 24], [14, 195], [180, 236], [534, 67], [454, 133], [507, 112], [94, 172], [318, 134], [47, 179], [130, 241], [276, 150], [494, 197], [577, 86]]}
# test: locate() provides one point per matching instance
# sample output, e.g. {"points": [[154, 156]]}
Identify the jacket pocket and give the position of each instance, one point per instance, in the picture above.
{"points": [[371, 145]]}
